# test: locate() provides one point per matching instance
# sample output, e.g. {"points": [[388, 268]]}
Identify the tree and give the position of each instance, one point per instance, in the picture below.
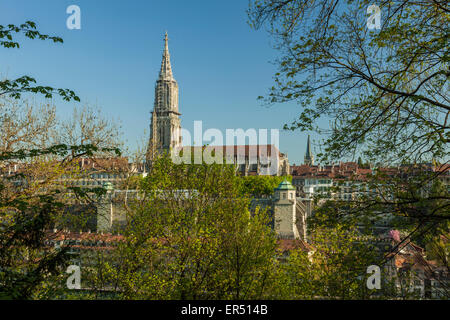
{"points": [[384, 91], [28, 264], [334, 268], [30, 200], [261, 186], [25, 84], [86, 126], [190, 235], [26, 124]]}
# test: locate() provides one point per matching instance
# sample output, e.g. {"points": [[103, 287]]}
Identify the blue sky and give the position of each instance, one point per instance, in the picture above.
{"points": [[221, 65]]}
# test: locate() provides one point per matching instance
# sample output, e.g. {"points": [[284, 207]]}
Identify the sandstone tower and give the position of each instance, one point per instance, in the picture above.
{"points": [[285, 211], [165, 127]]}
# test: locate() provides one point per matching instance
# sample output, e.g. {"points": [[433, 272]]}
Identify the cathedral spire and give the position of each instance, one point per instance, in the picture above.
{"points": [[165, 126], [309, 158], [166, 68]]}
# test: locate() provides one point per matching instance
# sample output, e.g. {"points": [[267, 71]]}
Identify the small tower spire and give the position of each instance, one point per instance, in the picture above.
{"points": [[309, 158], [166, 68]]}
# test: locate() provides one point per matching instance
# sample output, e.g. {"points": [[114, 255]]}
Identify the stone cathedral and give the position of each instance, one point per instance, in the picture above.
{"points": [[289, 213], [165, 126], [165, 130]]}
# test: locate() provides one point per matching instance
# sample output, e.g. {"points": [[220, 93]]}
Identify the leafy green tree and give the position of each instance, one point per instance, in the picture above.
{"points": [[261, 186], [190, 235], [29, 265], [334, 268], [438, 249], [25, 84], [384, 91], [32, 200]]}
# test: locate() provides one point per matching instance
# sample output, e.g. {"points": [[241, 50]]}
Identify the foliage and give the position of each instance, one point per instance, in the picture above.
{"points": [[438, 249], [191, 236], [334, 269], [32, 199], [29, 266], [385, 91], [261, 186], [15, 88]]}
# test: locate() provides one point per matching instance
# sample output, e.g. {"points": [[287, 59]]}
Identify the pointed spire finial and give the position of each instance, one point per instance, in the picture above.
{"points": [[166, 68], [166, 43], [309, 158], [308, 147]]}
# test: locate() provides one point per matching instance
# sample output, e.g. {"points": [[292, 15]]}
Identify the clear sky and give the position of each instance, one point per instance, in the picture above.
{"points": [[220, 63]]}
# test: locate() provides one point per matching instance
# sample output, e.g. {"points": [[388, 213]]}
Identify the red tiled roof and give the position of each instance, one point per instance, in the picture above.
{"points": [[287, 245], [341, 170]]}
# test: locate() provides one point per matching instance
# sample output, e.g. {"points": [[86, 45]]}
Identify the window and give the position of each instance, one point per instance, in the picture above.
{"points": [[284, 195]]}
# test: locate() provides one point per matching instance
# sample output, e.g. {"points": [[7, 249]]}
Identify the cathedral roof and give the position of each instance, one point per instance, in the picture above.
{"points": [[259, 150]]}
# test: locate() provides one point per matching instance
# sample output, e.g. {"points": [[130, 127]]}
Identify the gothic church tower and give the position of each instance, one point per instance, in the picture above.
{"points": [[165, 127], [309, 158]]}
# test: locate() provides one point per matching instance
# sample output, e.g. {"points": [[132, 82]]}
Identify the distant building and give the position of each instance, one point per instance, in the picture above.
{"points": [[414, 275], [347, 180], [316, 179], [250, 160]]}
